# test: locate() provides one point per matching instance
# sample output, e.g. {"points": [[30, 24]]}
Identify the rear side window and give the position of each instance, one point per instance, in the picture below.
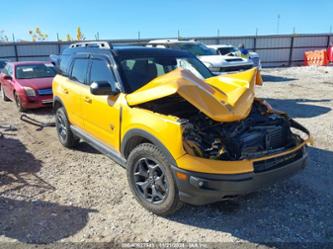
{"points": [[79, 70], [101, 71], [64, 64]]}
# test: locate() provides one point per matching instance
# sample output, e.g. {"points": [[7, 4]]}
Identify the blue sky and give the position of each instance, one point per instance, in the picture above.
{"points": [[115, 19]]}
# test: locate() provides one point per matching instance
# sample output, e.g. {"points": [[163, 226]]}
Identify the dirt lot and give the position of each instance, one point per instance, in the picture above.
{"points": [[52, 194]]}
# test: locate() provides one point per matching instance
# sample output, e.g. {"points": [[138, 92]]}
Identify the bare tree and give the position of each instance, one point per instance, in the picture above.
{"points": [[37, 35], [79, 35], [3, 36]]}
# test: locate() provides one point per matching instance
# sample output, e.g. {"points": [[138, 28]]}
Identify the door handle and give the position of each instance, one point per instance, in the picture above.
{"points": [[65, 90], [87, 99]]}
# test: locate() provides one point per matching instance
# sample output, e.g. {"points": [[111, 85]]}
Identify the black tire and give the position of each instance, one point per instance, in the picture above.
{"points": [[65, 135], [155, 189], [3, 95], [18, 103]]}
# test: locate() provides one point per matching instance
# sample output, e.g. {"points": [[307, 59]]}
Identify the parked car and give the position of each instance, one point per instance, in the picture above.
{"points": [[28, 84], [215, 62], [230, 50], [183, 134]]}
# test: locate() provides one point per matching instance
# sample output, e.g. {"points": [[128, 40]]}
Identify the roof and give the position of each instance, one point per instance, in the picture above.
{"points": [[129, 51], [171, 41], [145, 51], [21, 63], [221, 46]]}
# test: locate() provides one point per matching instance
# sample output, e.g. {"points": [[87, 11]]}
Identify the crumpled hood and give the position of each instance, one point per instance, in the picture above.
{"points": [[225, 98]]}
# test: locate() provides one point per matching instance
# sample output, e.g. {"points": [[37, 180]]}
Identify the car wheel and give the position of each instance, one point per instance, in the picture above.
{"points": [[65, 135], [18, 103], [151, 180], [3, 94]]}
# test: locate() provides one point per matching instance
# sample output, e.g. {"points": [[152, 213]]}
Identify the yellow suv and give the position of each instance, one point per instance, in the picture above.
{"points": [[183, 134]]}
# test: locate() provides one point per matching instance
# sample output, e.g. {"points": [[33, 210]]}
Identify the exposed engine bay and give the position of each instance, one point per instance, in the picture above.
{"points": [[263, 132]]}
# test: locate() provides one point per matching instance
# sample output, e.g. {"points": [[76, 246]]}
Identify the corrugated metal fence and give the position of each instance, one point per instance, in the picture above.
{"points": [[274, 50]]}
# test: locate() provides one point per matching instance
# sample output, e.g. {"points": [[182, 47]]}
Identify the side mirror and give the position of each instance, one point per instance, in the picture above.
{"points": [[102, 88], [7, 77]]}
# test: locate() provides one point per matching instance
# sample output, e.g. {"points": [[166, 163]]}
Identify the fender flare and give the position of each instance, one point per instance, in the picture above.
{"points": [[147, 136]]}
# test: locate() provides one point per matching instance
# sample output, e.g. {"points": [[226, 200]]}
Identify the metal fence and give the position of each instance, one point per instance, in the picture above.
{"points": [[274, 50]]}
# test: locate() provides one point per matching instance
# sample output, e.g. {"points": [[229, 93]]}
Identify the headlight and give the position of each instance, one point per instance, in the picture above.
{"points": [[29, 91]]}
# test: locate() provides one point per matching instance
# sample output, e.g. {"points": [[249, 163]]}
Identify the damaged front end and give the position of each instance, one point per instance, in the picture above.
{"points": [[220, 117], [264, 132]]}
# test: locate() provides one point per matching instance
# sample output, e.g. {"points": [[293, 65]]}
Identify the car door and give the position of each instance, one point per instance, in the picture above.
{"points": [[101, 114], [73, 87]]}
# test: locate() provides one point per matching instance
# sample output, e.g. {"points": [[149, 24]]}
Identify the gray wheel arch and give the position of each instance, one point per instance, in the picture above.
{"points": [[135, 137]]}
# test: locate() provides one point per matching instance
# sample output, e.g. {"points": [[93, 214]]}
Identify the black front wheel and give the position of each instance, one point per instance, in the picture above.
{"points": [[3, 94], [151, 181], [18, 103], [65, 135]]}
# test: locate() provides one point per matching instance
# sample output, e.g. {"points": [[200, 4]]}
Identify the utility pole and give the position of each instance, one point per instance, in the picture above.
{"points": [[218, 32], [294, 31], [178, 35], [257, 31], [13, 36], [139, 35], [58, 37]]}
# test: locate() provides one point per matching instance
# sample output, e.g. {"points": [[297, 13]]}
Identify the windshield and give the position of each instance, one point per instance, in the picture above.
{"points": [[35, 71], [198, 49], [226, 50], [136, 72]]}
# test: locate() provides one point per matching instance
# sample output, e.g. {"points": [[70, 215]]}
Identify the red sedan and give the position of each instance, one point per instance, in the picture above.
{"points": [[28, 84]]}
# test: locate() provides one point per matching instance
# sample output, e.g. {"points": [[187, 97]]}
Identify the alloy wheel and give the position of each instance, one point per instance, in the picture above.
{"points": [[150, 181], [62, 129]]}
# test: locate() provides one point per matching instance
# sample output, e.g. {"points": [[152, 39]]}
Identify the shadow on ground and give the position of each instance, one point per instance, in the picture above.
{"points": [[85, 147], [301, 108], [21, 216], [298, 209], [41, 111], [272, 78]]}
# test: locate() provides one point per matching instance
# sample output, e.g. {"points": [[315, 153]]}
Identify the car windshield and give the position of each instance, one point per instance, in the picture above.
{"points": [[136, 72], [226, 50], [198, 49], [32, 71]]}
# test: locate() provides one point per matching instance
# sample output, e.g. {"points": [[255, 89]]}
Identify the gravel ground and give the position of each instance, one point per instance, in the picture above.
{"points": [[49, 194]]}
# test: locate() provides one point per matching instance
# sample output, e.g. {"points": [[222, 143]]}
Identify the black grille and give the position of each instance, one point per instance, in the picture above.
{"points": [[276, 138], [277, 162]]}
